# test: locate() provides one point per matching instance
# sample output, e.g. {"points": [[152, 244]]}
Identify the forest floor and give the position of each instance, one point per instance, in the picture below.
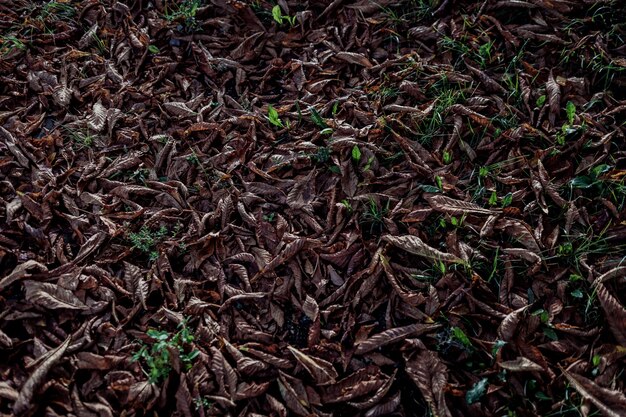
{"points": [[321, 208]]}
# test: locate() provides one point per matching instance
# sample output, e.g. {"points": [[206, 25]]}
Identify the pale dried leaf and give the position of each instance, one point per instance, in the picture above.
{"points": [[416, 246], [521, 364], [451, 206]]}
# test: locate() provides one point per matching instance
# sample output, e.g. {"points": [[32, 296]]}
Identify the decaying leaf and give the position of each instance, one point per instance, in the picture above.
{"points": [[326, 208], [449, 205], [28, 391], [321, 370], [611, 403], [415, 245], [615, 314], [393, 336], [431, 376]]}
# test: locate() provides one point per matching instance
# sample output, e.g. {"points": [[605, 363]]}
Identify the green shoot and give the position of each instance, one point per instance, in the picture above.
{"points": [[356, 154], [272, 116], [156, 356], [507, 200], [9, 44], [186, 11], [146, 240], [318, 119], [279, 17], [570, 109], [541, 101], [439, 182]]}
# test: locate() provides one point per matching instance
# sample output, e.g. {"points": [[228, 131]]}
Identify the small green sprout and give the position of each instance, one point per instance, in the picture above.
{"points": [[356, 154], [10, 43], [541, 100], [570, 109], [317, 118], [439, 182], [459, 334], [347, 205], [156, 356], [146, 240], [507, 200], [273, 117], [279, 17]]}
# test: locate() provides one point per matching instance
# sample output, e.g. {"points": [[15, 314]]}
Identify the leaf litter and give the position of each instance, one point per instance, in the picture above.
{"points": [[312, 208]]}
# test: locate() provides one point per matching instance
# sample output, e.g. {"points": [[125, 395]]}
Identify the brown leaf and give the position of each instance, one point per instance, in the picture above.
{"points": [[91, 245], [183, 397], [521, 364], [10, 142], [179, 109], [415, 245], [554, 97], [353, 58], [52, 296], [8, 392], [21, 272], [431, 377], [322, 371], [385, 408], [617, 272], [378, 395], [142, 393], [299, 405], [615, 314], [509, 325], [359, 384], [310, 308], [449, 205], [247, 390], [611, 403], [393, 335], [28, 391]]}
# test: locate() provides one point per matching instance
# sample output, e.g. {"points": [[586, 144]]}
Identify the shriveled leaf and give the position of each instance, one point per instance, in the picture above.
{"points": [[416, 246], [615, 314], [611, 403], [52, 296], [554, 97], [28, 391], [322, 371], [431, 376], [293, 401], [393, 336], [354, 58], [508, 327], [21, 272], [521, 364]]}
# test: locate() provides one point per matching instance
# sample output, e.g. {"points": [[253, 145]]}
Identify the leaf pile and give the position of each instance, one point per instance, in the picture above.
{"points": [[243, 208]]}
